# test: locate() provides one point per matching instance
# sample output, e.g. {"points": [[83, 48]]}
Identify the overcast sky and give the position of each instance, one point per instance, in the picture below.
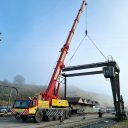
{"points": [[33, 32]]}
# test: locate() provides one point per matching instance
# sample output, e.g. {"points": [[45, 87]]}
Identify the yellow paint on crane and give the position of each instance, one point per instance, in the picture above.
{"points": [[60, 103], [17, 110], [32, 110], [43, 104]]}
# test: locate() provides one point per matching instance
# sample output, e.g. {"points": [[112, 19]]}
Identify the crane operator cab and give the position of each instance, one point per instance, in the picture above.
{"points": [[27, 108]]}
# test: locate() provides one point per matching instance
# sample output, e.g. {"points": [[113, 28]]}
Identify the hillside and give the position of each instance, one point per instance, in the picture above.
{"points": [[104, 100], [30, 90]]}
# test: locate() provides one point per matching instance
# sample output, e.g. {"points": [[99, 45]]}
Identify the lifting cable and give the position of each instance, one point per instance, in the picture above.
{"points": [[90, 39], [97, 47], [69, 61], [86, 32]]}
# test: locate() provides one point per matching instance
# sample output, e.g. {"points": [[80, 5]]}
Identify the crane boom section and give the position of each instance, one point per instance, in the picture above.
{"points": [[64, 50]]}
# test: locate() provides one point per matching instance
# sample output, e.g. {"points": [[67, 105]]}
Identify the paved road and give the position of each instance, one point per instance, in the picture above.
{"points": [[11, 122]]}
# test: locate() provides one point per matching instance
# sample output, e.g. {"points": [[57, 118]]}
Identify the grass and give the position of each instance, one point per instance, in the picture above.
{"points": [[123, 124]]}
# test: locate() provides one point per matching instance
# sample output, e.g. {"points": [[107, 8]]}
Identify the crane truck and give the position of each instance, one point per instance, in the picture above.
{"points": [[48, 104]]}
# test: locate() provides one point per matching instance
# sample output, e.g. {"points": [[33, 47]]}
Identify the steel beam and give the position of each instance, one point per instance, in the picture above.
{"points": [[118, 97], [93, 65], [113, 86], [83, 74]]}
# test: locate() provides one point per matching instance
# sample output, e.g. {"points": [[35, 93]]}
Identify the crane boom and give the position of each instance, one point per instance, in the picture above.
{"points": [[48, 104], [60, 63]]}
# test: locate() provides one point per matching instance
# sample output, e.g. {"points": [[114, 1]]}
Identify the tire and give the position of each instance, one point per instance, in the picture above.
{"points": [[38, 117], [62, 115], [50, 118], [67, 114], [24, 118], [56, 117]]}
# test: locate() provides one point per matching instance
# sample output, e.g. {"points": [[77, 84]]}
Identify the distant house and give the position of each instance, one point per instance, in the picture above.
{"points": [[95, 103], [80, 104], [75, 100]]}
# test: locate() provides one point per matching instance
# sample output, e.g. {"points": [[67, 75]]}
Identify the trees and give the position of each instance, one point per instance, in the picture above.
{"points": [[19, 79]]}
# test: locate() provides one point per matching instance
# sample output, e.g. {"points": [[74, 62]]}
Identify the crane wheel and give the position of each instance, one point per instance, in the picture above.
{"points": [[56, 117], [38, 117], [67, 114], [50, 118], [63, 116]]}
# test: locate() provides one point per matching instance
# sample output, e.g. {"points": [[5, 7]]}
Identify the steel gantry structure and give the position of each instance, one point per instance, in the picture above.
{"points": [[111, 70]]}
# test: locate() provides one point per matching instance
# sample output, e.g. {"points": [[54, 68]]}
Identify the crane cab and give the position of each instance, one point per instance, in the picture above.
{"points": [[25, 108]]}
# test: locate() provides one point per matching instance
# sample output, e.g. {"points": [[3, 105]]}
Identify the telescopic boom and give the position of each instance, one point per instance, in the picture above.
{"points": [[60, 63]]}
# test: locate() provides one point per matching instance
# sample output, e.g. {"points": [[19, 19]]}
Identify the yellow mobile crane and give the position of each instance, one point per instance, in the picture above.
{"points": [[48, 104]]}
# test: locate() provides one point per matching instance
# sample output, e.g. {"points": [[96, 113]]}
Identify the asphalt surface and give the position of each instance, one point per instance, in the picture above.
{"points": [[11, 122]]}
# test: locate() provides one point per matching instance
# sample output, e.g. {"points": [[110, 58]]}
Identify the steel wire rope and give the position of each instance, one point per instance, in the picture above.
{"points": [[50, 74], [86, 19], [97, 47], [86, 31], [69, 61], [90, 39], [86, 35]]}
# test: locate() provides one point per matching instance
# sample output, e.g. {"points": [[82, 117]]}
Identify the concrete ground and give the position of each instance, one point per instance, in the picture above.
{"points": [[11, 122]]}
